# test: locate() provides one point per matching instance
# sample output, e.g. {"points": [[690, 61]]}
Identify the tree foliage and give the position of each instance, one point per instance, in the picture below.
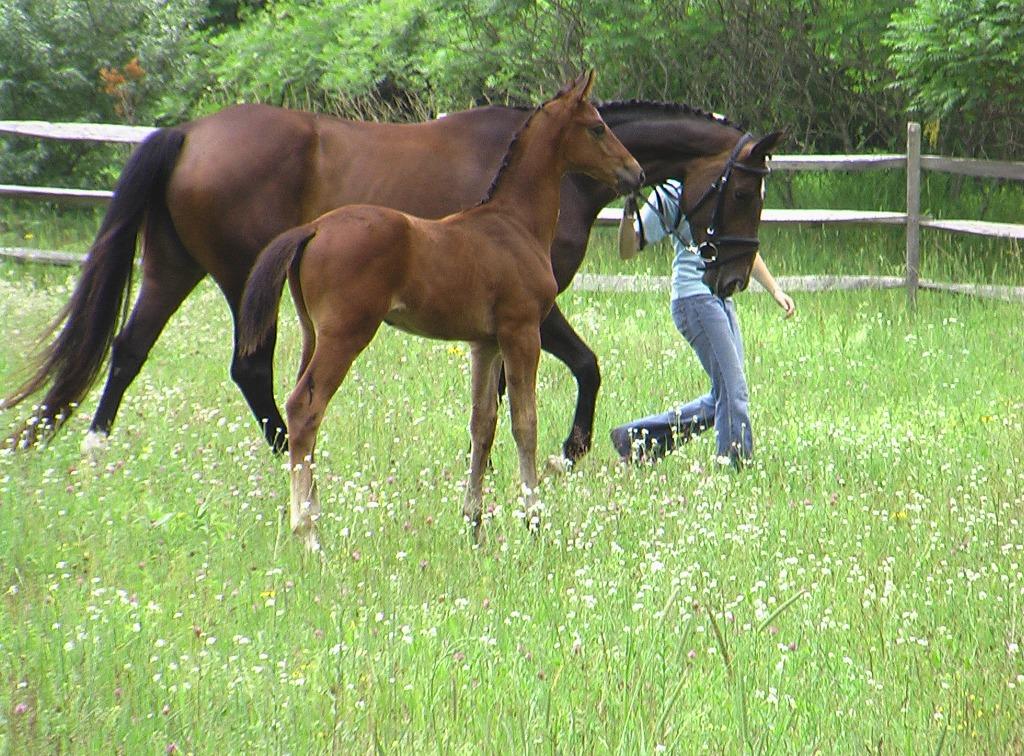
{"points": [[816, 67], [838, 75], [81, 60], [961, 63]]}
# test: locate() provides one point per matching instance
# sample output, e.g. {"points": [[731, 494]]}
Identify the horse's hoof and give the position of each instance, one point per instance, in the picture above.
{"points": [[95, 445], [558, 465], [311, 542], [576, 446]]}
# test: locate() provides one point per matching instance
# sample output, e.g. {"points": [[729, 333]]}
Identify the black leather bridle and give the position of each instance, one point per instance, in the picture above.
{"points": [[710, 249]]}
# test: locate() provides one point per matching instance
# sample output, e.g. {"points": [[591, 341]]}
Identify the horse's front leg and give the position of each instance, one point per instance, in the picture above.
{"points": [[559, 339], [521, 352], [482, 423]]}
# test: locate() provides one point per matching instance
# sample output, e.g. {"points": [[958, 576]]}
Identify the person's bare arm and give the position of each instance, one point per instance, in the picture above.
{"points": [[763, 276]]}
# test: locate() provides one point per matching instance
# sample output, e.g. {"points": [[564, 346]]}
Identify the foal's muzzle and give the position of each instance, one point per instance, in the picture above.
{"points": [[629, 179]]}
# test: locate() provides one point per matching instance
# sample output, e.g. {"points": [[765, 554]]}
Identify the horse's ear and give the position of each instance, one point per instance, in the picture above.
{"points": [[579, 88], [766, 145], [588, 79]]}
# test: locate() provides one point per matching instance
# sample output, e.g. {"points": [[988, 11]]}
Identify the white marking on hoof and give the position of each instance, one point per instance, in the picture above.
{"points": [[558, 465], [95, 445]]}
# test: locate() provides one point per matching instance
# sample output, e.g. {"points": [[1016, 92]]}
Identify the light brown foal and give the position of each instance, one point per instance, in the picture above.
{"points": [[482, 275]]}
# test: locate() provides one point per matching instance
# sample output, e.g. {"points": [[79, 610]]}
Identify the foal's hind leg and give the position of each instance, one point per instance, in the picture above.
{"points": [[330, 362], [482, 423], [168, 276]]}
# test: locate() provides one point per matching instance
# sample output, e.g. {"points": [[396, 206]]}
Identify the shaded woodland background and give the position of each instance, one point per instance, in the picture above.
{"points": [[839, 75]]}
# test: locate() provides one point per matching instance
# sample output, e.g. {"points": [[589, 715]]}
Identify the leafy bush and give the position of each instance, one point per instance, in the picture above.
{"points": [[960, 63]]}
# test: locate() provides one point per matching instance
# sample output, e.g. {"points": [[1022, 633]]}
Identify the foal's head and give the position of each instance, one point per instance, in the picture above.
{"points": [[725, 216], [588, 145]]}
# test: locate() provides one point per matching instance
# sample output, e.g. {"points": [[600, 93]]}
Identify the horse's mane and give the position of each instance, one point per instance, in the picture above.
{"points": [[509, 152], [609, 111], [656, 108]]}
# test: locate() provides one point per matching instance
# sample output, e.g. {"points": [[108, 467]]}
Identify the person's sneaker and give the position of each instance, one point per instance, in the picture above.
{"points": [[635, 447], [622, 443]]}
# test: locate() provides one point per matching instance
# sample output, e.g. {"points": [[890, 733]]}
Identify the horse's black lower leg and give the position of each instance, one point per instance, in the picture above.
{"points": [[254, 375], [559, 339], [156, 302]]}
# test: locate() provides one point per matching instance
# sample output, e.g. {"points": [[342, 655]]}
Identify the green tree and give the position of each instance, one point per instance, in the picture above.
{"points": [[81, 60], [960, 63]]}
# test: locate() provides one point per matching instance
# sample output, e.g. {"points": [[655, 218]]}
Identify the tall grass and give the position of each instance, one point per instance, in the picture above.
{"points": [[858, 588]]}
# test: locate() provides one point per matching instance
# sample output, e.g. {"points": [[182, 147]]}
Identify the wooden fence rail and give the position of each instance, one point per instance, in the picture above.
{"points": [[912, 161]]}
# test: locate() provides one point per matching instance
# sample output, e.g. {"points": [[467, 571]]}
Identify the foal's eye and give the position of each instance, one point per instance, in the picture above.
{"points": [[598, 130]]}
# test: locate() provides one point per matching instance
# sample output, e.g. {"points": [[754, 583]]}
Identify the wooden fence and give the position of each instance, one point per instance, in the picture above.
{"points": [[913, 162]]}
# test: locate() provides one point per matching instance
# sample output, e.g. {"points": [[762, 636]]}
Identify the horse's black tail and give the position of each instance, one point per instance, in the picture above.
{"points": [[85, 327], [262, 296]]}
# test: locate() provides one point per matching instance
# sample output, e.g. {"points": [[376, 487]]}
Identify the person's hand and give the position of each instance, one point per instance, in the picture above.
{"points": [[628, 243], [784, 301]]}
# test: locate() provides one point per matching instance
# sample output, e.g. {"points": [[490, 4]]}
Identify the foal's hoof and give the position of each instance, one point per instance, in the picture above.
{"points": [[532, 520], [309, 539], [477, 529]]}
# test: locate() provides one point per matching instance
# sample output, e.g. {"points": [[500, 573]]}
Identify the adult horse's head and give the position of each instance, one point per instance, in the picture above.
{"points": [[723, 197], [588, 145]]}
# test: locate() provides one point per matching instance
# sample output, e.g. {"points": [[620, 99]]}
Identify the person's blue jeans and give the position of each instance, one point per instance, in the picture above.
{"points": [[709, 324]]}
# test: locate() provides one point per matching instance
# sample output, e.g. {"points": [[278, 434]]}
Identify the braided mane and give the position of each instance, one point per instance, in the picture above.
{"points": [[489, 194], [609, 110], [657, 107]]}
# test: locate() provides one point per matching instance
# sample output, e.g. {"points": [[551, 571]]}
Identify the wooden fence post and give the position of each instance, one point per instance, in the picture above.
{"points": [[913, 210]]}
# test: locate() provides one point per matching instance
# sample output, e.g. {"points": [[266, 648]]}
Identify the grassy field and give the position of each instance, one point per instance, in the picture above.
{"points": [[858, 588]]}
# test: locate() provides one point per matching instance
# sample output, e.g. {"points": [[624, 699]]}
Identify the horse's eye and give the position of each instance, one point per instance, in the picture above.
{"points": [[598, 130], [742, 196]]}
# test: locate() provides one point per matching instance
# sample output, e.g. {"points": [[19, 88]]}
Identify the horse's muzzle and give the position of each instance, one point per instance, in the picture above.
{"points": [[731, 285], [629, 179]]}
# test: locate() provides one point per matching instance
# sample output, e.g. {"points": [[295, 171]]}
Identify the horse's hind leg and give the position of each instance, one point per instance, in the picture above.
{"points": [[327, 368], [481, 427], [254, 376], [168, 276]]}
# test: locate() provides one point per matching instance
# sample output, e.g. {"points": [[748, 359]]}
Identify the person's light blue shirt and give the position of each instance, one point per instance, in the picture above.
{"points": [[661, 216]]}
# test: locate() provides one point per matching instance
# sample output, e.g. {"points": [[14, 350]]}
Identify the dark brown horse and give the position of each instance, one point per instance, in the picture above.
{"points": [[482, 275], [209, 194]]}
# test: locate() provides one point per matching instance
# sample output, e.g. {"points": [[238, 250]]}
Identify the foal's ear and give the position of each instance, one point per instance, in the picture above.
{"points": [[580, 88], [766, 145], [588, 79]]}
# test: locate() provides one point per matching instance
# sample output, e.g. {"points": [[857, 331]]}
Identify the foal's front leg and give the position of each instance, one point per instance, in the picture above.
{"points": [[520, 350], [482, 423]]}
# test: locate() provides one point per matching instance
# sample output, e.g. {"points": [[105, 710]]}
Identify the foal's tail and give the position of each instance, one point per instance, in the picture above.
{"points": [[262, 296], [85, 327]]}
